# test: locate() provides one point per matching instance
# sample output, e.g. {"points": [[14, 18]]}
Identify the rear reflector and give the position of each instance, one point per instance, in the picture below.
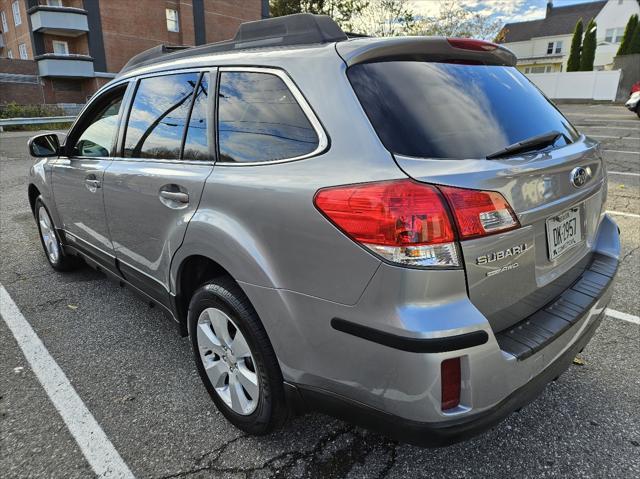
{"points": [[471, 44], [403, 221], [479, 213], [450, 381]]}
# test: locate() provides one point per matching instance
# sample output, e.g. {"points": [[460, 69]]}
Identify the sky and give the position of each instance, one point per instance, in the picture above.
{"points": [[503, 10]]}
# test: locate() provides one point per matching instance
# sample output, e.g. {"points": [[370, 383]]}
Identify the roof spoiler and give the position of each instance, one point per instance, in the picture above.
{"points": [[434, 49], [298, 29]]}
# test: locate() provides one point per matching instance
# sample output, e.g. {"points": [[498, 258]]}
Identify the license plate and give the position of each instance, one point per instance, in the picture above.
{"points": [[564, 231]]}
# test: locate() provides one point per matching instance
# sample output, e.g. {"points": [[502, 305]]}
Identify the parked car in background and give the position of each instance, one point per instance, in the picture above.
{"points": [[401, 232], [633, 103]]}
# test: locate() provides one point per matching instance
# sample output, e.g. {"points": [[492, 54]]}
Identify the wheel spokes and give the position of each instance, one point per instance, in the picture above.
{"points": [[207, 340], [239, 401], [249, 381], [239, 347], [220, 325], [217, 372]]}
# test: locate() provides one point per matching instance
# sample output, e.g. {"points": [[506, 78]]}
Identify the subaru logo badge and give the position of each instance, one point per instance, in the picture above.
{"points": [[580, 176]]}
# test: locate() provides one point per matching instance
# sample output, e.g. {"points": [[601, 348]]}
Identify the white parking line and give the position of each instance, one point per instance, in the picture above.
{"points": [[93, 442], [623, 151], [623, 173], [622, 213], [623, 316]]}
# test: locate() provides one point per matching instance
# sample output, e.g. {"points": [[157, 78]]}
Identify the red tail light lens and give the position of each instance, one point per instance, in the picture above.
{"points": [[471, 44], [404, 221], [479, 213], [450, 381]]}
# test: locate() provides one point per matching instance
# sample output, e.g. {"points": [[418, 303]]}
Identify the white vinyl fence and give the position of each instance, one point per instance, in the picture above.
{"points": [[596, 85]]}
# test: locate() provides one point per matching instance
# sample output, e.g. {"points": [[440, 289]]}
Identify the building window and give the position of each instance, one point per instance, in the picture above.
{"points": [[559, 47], [15, 6], [539, 69], [172, 20], [54, 3], [5, 27], [9, 53], [527, 69], [60, 48], [554, 47], [613, 35], [22, 48]]}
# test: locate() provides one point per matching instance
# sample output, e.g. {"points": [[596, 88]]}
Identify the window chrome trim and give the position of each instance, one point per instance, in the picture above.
{"points": [[323, 139]]}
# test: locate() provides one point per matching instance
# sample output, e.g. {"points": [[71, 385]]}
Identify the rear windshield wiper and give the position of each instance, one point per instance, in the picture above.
{"points": [[534, 143]]}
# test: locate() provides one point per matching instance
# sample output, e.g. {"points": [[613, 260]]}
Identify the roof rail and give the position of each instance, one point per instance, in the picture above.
{"points": [[297, 29]]}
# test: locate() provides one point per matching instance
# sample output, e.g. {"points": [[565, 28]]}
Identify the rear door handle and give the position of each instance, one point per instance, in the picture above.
{"points": [[176, 196]]}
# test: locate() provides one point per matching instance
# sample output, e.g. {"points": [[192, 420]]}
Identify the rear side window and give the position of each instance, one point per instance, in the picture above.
{"points": [[445, 110], [158, 116], [259, 119]]}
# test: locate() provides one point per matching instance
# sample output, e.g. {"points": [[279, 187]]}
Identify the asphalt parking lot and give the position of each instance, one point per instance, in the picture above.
{"points": [[136, 376]]}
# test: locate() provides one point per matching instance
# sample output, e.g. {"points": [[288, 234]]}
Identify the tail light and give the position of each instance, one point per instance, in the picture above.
{"points": [[407, 222], [472, 44], [479, 213], [403, 221], [450, 383]]}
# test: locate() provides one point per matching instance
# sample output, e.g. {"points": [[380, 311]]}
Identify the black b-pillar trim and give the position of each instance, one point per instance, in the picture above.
{"points": [[412, 345], [96, 41], [199, 28]]}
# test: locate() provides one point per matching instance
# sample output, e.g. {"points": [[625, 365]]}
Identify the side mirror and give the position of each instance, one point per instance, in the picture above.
{"points": [[44, 145]]}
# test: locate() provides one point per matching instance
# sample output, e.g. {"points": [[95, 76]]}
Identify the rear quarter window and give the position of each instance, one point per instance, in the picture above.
{"points": [[456, 111], [260, 120]]}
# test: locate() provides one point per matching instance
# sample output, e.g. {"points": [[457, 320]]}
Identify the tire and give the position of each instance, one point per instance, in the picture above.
{"points": [[51, 244], [243, 378]]}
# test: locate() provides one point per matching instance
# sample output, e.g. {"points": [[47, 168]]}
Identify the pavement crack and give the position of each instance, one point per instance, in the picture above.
{"points": [[629, 253], [393, 455]]}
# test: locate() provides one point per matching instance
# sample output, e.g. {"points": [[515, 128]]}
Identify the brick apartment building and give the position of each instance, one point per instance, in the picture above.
{"points": [[61, 51]]}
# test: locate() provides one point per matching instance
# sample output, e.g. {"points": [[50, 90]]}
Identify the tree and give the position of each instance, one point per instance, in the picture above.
{"points": [[628, 34], [573, 64], [385, 18], [634, 44], [342, 11], [588, 47], [454, 19], [279, 8]]}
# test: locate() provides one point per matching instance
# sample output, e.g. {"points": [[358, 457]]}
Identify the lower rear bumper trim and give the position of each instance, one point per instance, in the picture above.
{"points": [[412, 345], [447, 432]]}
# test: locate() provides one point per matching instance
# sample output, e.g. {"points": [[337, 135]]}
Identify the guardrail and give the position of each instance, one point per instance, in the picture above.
{"points": [[42, 120]]}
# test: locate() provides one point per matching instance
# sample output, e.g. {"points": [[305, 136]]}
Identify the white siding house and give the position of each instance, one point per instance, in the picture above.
{"points": [[542, 46]]}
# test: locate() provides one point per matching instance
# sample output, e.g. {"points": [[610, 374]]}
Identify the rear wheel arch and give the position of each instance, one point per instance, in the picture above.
{"points": [[193, 272]]}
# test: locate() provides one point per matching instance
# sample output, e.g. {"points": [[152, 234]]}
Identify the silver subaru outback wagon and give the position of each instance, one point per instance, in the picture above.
{"points": [[401, 232]]}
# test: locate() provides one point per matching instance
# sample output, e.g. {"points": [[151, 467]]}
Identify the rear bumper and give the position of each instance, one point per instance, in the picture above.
{"points": [[441, 433], [379, 364]]}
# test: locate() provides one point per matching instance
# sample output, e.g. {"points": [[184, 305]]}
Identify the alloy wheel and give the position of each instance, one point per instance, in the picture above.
{"points": [[228, 361]]}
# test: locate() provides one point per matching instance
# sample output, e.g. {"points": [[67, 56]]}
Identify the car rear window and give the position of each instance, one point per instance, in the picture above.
{"points": [[448, 110]]}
